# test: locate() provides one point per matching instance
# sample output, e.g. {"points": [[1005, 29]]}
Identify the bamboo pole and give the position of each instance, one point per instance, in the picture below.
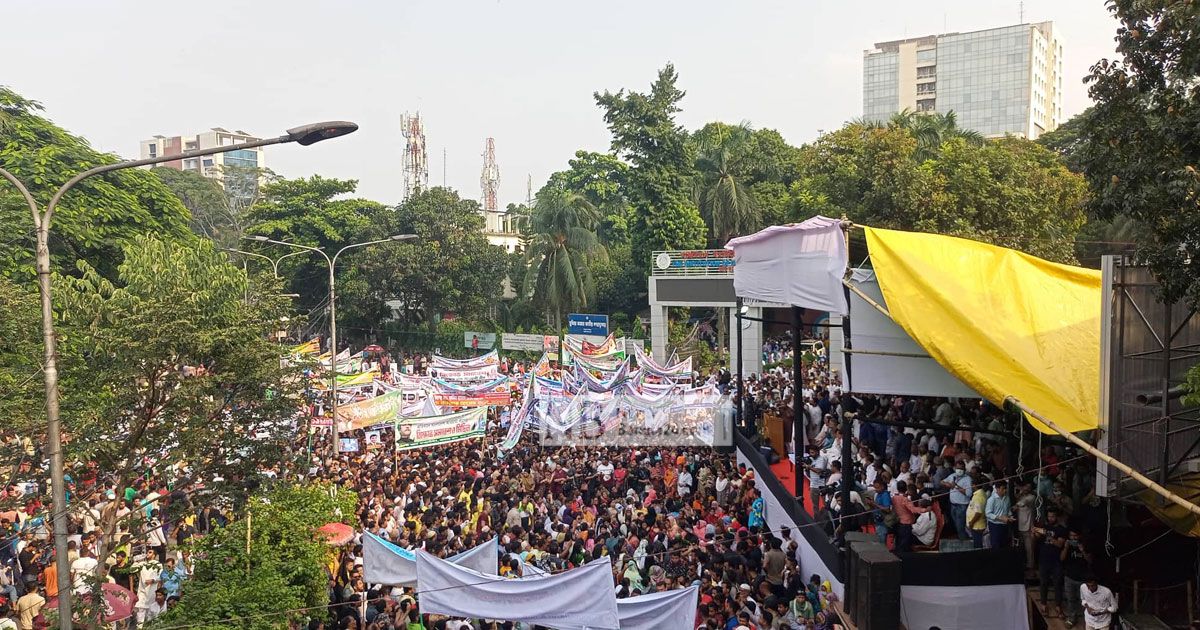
{"points": [[248, 514], [866, 298], [1111, 461]]}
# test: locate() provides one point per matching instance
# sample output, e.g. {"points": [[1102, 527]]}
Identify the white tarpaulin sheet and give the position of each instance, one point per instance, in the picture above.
{"points": [[578, 599], [390, 565], [801, 264], [670, 610], [872, 332], [995, 607]]}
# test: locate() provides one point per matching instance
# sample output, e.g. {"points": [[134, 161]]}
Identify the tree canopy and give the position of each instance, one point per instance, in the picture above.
{"points": [[1140, 148], [95, 219], [645, 134]]}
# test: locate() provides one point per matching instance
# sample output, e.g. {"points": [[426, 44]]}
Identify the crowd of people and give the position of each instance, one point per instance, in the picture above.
{"points": [[923, 471], [929, 471]]}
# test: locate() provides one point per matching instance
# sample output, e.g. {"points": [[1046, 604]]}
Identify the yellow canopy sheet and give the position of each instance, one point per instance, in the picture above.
{"points": [[1001, 321]]}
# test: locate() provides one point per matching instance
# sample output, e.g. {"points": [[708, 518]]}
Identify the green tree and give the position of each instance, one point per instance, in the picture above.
{"points": [[563, 241], [1009, 191], [931, 130], [283, 569], [724, 197], [314, 211], [1141, 143], [644, 133], [95, 219], [602, 179], [22, 401], [169, 372], [1068, 139], [218, 209], [451, 268]]}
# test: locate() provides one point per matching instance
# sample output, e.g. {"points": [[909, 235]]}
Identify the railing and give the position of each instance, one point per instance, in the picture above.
{"points": [[692, 262]]}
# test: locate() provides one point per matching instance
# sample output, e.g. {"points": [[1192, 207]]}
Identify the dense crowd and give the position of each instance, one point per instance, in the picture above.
{"points": [[668, 518], [923, 471], [927, 471]]}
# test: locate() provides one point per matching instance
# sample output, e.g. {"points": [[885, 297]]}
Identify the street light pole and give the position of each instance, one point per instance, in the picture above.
{"points": [[303, 135], [741, 387], [333, 348], [274, 261]]}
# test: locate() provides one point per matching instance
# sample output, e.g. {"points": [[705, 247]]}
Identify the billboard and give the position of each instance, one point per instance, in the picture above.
{"points": [[529, 342], [479, 340], [587, 324]]}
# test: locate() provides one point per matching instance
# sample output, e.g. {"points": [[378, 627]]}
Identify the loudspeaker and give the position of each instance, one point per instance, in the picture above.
{"points": [[877, 591], [857, 543]]}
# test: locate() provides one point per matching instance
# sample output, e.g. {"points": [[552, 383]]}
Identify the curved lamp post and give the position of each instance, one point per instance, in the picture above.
{"points": [[303, 135], [333, 349]]}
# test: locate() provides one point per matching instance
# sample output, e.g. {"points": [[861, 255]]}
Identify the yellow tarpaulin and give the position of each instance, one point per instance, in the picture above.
{"points": [[1003, 322]]}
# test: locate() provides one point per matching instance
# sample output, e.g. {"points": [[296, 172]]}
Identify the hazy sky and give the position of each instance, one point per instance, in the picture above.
{"points": [[522, 72]]}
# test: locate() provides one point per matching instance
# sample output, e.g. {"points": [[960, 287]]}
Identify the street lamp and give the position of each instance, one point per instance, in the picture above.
{"points": [[274, 261], [333, 349], [303, 135]]}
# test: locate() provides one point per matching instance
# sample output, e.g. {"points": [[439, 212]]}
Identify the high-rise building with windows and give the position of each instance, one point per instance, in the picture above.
{"points": [[208, 165], [998, 81]]}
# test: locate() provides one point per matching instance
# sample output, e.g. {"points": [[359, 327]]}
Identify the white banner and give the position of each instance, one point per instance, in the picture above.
{"points": [[578, 599], [669, 610], [523, 341], [466, 375], [491, 358], [387, 564]]}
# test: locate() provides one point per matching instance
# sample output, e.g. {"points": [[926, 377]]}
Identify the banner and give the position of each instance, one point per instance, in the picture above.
{"points": [[667, 610], [490, 358], [387, 564], [408, 381], [683, 369], [624, 421], [372, 411], [482, 374], [479, 340], [499, 384], [420, 432], [486, 399], [573, 600], [523, 342], [517, 423], [312, 346]]}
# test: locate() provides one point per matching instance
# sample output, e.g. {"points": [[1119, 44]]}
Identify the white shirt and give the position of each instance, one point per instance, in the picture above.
{"points": [[605, 470], [815, 480], [80, 569], [684, 483], [147, 584], [1102, 601]]}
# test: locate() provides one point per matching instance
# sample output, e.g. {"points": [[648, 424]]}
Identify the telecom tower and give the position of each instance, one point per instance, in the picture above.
{"points": [[489, 181], [416, 160]]}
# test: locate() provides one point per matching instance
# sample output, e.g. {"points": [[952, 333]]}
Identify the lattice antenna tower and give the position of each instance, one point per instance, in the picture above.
{"points": [[416, 159], [489, 180]]}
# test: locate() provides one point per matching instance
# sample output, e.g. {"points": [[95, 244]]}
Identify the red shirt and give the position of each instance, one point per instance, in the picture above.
{"points": [[905, 510]]}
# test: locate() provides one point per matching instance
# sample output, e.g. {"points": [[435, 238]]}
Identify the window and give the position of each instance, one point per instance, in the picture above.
{"points": [[208, 162], [926, 105], [154, 150], [926, 72], [926, 88], [927, 55]]}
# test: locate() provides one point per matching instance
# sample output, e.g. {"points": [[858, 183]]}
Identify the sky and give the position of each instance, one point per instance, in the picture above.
{"points": [[522, 72]]}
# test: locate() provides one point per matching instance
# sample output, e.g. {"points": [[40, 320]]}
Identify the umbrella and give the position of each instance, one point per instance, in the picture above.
{"points": [[118, 602], [374, 348], [336, 534]]}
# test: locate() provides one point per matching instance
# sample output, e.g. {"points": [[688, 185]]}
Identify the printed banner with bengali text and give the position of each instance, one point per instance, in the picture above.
{"points": [[420, 432]]}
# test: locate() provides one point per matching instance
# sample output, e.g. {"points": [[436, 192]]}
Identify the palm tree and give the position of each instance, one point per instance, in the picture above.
{"points": [[723, 197], [562, 238], [932, 130]]}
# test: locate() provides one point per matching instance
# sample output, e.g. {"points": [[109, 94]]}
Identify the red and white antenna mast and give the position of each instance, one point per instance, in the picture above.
{"points": [[416, 160], [489, 181]]}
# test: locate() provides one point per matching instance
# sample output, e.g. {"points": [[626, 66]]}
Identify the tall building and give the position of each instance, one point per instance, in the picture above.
{"points": [[208, 165], [998, 81]]}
